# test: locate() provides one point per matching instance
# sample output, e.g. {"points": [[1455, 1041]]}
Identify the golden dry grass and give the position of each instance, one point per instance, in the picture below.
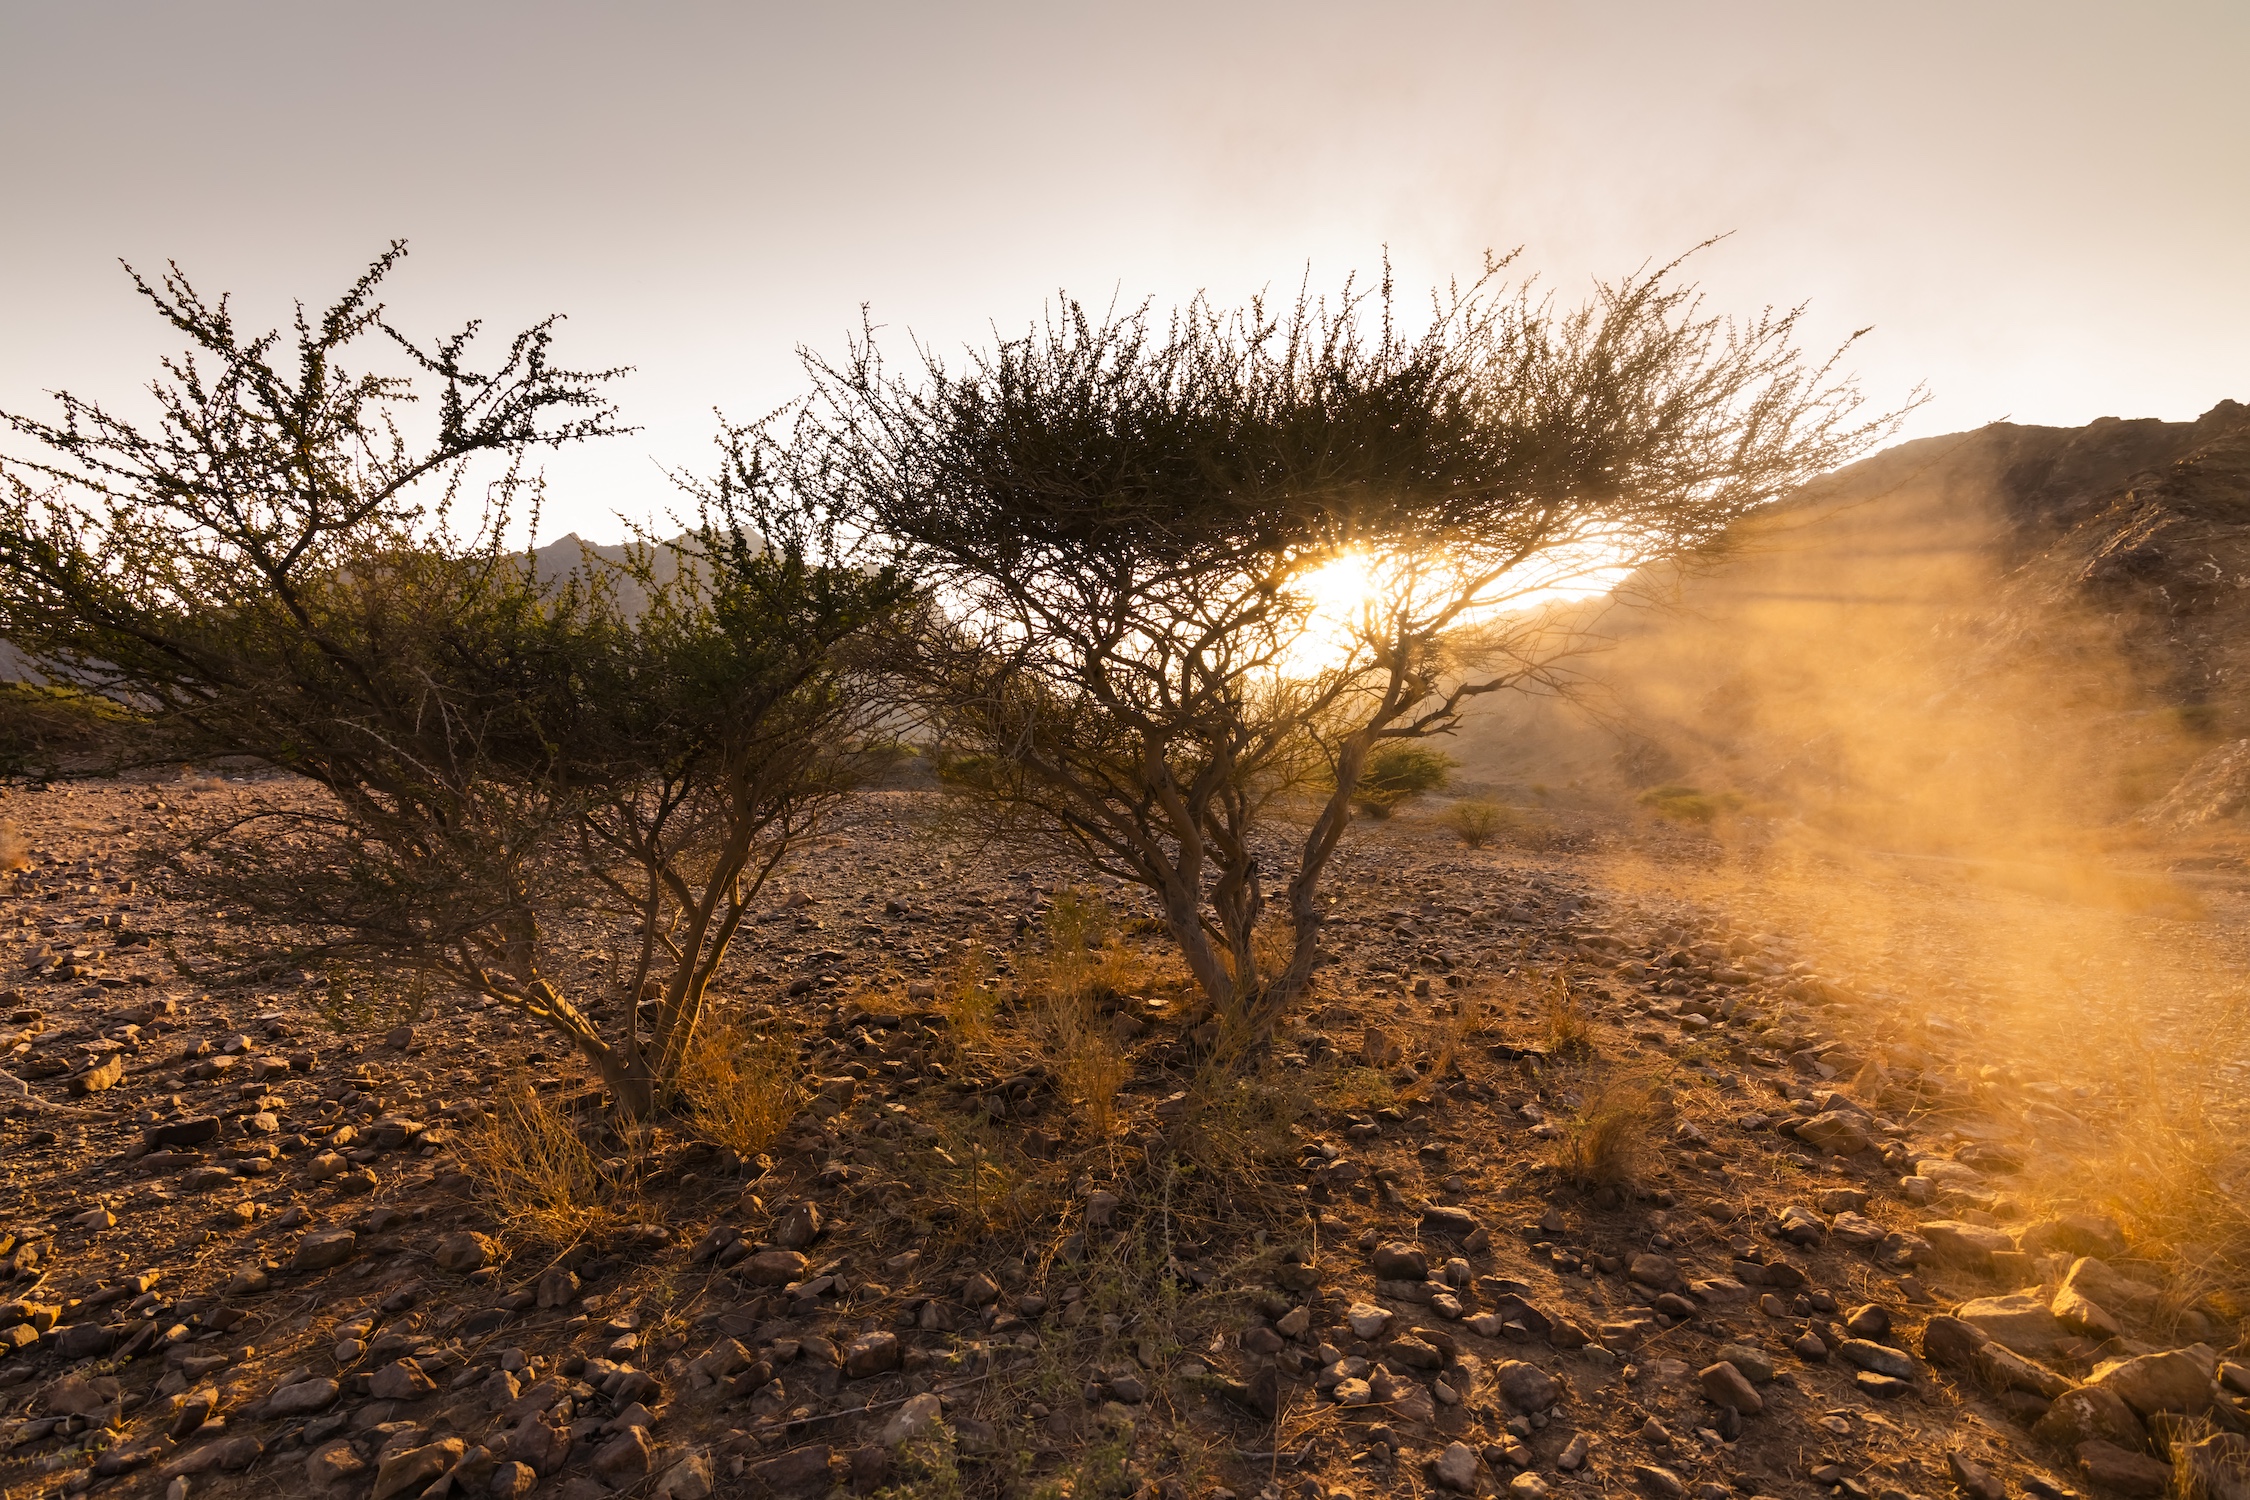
{"points": [[743, 1087], [1566, 1030], [1605, 1142], [532, 1161]]}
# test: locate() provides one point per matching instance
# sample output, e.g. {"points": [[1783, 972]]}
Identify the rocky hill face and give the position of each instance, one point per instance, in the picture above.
{"points": [[2006, 636]]}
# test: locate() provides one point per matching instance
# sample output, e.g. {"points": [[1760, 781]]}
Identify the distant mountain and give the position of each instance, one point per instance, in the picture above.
{"points": [[1998, 635]]}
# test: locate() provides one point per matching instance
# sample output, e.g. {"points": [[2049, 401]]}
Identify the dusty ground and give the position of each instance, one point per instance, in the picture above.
{"points": [[252, 1263]]}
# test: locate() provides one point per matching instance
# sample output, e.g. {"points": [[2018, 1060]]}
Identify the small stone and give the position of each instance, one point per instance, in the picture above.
{"points": [[1976, 1480], [871, 1354], [1575, 1452], [689, 1479], [1366, 1320], [414, 1468], [1881, 1358], [464, 1252], [558, 1287], [1727, 1386], [2122, 1470], [1525, 1387], [401, 1380], [333, 1461], [980, 1290], [626, 1457], [1101, 1209], [1401, 1262], [323, 1248], [1352, 1392], [797, 1227], [1837, 1132], [775, 1267], [1868, 1321], [1658, 1271], [917, 1415], [1964, 1244], [193, 1131], [512, 1481], [1658, 1483], [1456, 1468], [302, 1399], [1528, 1486]]}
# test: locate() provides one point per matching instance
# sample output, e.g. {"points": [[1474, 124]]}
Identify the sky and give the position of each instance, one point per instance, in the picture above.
{"points": [[2043, 209]]}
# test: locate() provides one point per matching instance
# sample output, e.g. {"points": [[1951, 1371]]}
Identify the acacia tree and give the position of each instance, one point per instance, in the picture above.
{"points": [[1127, 525], [499, 754]]}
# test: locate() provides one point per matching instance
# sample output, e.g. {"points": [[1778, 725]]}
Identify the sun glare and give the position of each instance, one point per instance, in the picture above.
{"points": [[1340, 591]]}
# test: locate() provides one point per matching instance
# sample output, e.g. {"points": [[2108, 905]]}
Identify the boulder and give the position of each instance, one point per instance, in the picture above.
{"points": [[626, 1458], [2150, 1383], [2088, 1414], [2082, 1315], [2122, 1470], [2095, 1280], [2217, 1468], [2021, 1321], [1963, 1243]]}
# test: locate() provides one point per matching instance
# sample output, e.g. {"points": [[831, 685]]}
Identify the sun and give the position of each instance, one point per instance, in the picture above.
{"points": [[1339, 591]]}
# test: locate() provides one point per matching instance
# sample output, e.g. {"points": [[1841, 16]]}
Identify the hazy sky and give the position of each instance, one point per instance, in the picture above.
{"points": [[2043, 208]]}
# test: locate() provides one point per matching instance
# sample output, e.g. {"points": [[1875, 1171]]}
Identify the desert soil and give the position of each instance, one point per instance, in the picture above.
{"points": [[1881, 1239]]}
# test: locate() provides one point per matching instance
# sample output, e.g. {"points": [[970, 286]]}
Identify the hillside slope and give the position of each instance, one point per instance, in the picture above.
{"points": [[2003, 637]]}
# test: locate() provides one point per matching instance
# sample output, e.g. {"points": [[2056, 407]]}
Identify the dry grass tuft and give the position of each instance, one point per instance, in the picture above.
{"points": [[1604, 1144], [745, 1088], [533, 1161], [15, 853], [970, 1185], [1476, 822], [1566, 1029], [970, 1000]]}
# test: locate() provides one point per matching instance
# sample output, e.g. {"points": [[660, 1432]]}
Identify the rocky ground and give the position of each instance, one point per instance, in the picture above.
{"points": [[1829, 1234]]}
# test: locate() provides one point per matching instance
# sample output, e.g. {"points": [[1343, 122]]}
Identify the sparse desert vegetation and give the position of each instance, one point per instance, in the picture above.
{"points": [[907, 983]]}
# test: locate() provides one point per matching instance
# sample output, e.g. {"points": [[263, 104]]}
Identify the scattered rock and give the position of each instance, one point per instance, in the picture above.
{"points": [[465, 1252], [1456, 1468], [415, 1467], [917, 1415], [2123, 1470], [2150, 1383], [1727, 1386], [323, 1248], [871, 1354]]}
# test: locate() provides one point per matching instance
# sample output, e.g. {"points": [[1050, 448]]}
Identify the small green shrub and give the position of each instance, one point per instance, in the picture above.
{"points": [[1398, 771], [1685, 804]]}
